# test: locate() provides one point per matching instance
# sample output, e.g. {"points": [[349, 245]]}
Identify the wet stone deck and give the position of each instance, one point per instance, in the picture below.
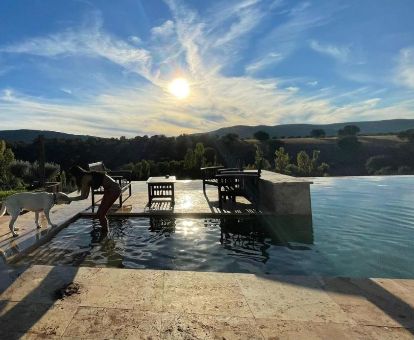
{"points": [[128, 303]]}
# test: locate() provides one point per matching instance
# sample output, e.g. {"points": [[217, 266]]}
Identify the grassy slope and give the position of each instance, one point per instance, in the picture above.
{"points": [[367, 127], [343, 164]]}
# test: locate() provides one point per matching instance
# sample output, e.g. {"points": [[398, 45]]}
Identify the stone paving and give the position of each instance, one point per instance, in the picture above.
{"points": [[155, 304]]}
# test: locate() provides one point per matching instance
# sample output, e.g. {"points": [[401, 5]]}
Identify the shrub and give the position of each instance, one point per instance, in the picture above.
{"points": [[407, 135], [21, 169], [318, 133], [388, 170], [282, 160], [348, 143], [349, 130], [307, 166], [51, 171], [376, 163], [261, 135], [6, 159], [405, 170]]}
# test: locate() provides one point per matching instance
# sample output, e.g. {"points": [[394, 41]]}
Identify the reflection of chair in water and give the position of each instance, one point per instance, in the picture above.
{"points": [[244, 231], [291, 231], [246, 237], [163, 224]]}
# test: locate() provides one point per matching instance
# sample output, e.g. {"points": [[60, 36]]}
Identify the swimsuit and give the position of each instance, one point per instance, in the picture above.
{"points": [[101, 179]]}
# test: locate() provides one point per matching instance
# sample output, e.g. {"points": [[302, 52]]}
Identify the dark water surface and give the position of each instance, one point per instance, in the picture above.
{"points": [[362, 227]]}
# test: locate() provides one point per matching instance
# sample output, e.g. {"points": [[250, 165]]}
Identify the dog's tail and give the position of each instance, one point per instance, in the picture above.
{"points": [[3, 208]]}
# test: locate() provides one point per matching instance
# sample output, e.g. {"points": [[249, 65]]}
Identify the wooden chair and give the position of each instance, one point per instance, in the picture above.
{"points": [[123, 177], [208, 174], [238, 183]]}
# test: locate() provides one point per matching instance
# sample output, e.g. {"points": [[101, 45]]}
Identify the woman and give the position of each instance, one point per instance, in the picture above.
{"points": [[85, 180]]}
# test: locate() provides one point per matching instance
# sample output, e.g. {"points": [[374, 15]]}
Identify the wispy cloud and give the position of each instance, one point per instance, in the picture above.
{"points": [[165, 30], [281, 41], [404, 73], [312, 83], [339, 53], [260, 64], [88, 41]]}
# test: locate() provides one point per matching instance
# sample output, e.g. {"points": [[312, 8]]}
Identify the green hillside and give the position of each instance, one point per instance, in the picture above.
{"points": [[303, 130]]}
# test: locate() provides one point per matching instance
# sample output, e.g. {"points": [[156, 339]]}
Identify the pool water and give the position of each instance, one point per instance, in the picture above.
{"points": [[361, 227]]}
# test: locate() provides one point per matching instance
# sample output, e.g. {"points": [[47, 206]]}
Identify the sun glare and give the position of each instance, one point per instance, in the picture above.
{"points": [[179, 88]]}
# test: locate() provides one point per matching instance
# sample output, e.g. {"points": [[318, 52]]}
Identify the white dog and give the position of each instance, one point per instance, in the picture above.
{"points": [[32, 201]]}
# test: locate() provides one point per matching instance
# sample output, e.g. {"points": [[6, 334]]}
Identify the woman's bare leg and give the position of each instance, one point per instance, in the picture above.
{"points": [[107, 200]]}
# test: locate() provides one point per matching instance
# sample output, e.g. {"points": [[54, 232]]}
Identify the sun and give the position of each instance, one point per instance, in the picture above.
{"points": [[180, 88]]}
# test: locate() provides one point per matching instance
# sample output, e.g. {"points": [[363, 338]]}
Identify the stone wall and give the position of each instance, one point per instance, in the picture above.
{"points": [[285, 195]]}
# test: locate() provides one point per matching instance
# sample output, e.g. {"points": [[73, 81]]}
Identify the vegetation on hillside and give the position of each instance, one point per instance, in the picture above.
{"points": [[399, 162], [304, 166], [182, 156], [17, 175]]}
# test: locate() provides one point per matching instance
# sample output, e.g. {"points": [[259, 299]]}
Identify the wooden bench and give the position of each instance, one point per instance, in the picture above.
{"points": [[123, 177]]}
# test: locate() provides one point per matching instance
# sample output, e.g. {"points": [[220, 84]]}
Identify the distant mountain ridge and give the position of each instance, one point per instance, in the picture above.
{"points": [[27, 136], [244, 131], [303, 130]]}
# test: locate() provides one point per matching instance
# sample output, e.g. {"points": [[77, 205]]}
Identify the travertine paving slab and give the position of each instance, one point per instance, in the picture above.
{"points": [[38, 284], [30, 336], [142, 298], [369, 303], [198, 326], [290, 298], [204, 293], [388, 333], [44, 319], [402, 289], [121, 278], [199, 280], [212, 300], [278, 329], [107, 323]]}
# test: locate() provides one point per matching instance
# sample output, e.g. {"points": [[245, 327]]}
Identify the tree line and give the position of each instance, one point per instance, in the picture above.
{"points": [[183, 156]]}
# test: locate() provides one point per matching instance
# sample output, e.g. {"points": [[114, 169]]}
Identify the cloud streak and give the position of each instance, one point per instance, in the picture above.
{"points": [[404, 74], [340, 53]]}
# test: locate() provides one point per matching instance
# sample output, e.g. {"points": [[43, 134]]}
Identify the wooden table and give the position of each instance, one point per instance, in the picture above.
{"points": [[161, 187]]}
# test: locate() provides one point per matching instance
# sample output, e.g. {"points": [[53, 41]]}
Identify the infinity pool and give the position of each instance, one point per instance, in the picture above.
{"points": [[362, 227]]}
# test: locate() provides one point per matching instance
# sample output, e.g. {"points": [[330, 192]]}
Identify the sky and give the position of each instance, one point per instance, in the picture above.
{"points": [[104, 68]]}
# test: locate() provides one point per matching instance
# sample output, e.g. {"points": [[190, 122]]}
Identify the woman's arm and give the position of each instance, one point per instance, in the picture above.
{"points": [[85, 189]]}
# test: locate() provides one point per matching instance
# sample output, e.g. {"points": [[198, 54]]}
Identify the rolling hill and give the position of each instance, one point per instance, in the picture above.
{"points": [[28, 136], [303, 130], [244, 131]]}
